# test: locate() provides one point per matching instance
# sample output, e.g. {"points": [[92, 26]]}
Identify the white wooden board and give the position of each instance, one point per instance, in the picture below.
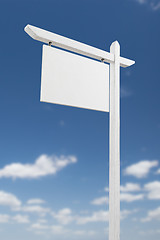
{"points": [[74, 46], [73, 80]]}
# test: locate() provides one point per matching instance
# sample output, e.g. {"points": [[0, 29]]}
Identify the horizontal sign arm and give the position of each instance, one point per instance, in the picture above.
{"points": [[125, 62], [74, 46]]}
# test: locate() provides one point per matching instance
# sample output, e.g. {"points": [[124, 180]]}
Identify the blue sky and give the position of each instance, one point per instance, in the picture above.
{"points": [[54, 159]]}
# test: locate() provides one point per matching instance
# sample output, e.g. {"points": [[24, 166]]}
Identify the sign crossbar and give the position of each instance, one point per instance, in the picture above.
{"points": [[74, 46]]}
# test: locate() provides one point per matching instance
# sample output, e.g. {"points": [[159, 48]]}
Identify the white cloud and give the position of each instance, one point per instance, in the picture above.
{"points": [[82, 232], [33, 209], [127, 197], [125, 213], [150, 231], [125, 92], [130, 187], [21, 218], [125, 194], [100, 201], [158, 171], [8, 199], [153, 189], [61, 230], [152, 215], [99, 216], [64, 216], [140, 169], [39, 226], [58, 229], [4, 218], [35, 201], [40, 232], [42, 220], [153, 4], [106, 189], [141, 1], [44, 165], [61, 123]]}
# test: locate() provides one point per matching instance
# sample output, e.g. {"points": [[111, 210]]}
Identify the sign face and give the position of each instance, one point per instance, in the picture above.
{"points": [[73, 80]]}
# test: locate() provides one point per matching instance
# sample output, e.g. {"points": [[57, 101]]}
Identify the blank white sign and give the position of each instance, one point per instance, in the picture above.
{"points": [[73, 80]]}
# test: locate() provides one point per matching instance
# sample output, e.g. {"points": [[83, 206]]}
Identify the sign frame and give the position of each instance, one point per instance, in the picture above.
{"points": [[116, 61]]}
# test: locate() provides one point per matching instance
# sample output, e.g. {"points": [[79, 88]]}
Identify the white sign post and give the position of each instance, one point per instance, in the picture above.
{"points": [[74, 80]]}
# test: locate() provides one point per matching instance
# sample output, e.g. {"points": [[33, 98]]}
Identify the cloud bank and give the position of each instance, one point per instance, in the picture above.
{"points": [[140, 169], [43, 166], [8, 199]]}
